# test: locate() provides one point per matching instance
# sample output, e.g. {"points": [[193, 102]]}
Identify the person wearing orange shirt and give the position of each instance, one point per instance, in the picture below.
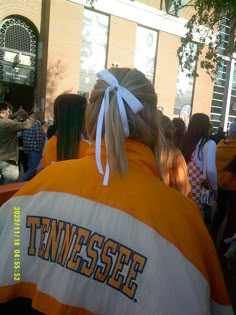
{"points": [[176, 174], [69, 141], [103, 234]]}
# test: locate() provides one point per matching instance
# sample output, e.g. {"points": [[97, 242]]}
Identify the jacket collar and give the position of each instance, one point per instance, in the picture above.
{"points": [[139, 156]]}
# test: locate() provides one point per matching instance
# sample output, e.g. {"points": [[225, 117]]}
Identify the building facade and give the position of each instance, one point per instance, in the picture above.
{"points": [[49, 47]]}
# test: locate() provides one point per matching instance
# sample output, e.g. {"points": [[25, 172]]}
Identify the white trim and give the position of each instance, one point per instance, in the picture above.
{"points": [[232, 65], [141, 14]]}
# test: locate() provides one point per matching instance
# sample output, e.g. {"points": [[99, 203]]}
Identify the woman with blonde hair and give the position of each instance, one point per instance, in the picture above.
{"points": [[116, 128], [103, 234]]}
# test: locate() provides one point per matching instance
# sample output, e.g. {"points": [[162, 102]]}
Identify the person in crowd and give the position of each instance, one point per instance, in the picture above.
{"points": [[225, 156], [176, 174], [51, 131], [9, 153], [179, 132], [103, 234], [196, 142], [33, 140], [219, 135], [230, 225], [23, 159], [70, 139]]}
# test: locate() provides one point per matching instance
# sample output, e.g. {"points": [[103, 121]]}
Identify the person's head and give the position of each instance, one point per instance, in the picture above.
{"points": [[22, 116], [69, 115], [5, 109], [51, 130], [40, 117], [179, 131], [232, 130], [198, 130], [220, 130], [210, 130], [141, 120], [168, 129]]}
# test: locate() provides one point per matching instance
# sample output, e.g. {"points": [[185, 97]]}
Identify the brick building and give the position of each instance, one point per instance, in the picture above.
{"points": [[48, 47]]}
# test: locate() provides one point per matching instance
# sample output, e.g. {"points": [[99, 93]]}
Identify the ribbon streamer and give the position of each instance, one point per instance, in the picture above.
{"points": [[121, 94]]}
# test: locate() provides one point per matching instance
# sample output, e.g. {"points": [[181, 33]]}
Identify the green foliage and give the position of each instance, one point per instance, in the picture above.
{"points": [[206, 23]]}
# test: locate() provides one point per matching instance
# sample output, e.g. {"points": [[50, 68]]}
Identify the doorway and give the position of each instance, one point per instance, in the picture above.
{"points": [[19, 95], [18, 61]]}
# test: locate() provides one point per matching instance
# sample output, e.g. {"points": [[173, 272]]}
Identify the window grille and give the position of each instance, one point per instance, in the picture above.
{"points": [[16, 34]]}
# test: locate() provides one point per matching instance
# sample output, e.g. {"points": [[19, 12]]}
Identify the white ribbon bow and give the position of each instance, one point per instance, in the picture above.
{"points": [[121, 93]]}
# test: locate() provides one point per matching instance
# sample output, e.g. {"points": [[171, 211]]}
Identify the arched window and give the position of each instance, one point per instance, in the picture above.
{"points": [[18, 51], [17, 34]]}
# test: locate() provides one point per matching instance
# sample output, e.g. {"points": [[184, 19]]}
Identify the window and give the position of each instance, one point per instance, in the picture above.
{"points": [[94, 48], [145, 52], [18, 51], [232, 107], [223, 109], [184, 86]]}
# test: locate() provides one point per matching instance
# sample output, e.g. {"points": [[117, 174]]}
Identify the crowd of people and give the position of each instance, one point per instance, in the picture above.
{"points": [[112, 220], [21, 143]]}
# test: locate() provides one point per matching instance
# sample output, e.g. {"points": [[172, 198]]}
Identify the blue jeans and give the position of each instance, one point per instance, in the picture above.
{"points": [[34, 158]]}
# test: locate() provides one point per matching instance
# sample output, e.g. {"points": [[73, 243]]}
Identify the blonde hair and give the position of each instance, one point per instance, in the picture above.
{"points": [[168, 153], [143, 126]]}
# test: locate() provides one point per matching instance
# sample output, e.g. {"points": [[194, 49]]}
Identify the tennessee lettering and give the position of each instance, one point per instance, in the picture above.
{"points": [[85, 252]]}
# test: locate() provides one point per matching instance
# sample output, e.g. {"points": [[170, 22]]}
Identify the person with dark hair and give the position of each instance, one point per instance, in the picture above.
{"points": [[198, 151], [176, 174], [103, 234], [33, 140], [219, 135], [70, 139], [51, 130], [9, 151], [23, 160], [179, 132]]}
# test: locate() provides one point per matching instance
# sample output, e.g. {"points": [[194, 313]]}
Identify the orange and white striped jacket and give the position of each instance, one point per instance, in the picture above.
{"points": [[135, 246]]}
